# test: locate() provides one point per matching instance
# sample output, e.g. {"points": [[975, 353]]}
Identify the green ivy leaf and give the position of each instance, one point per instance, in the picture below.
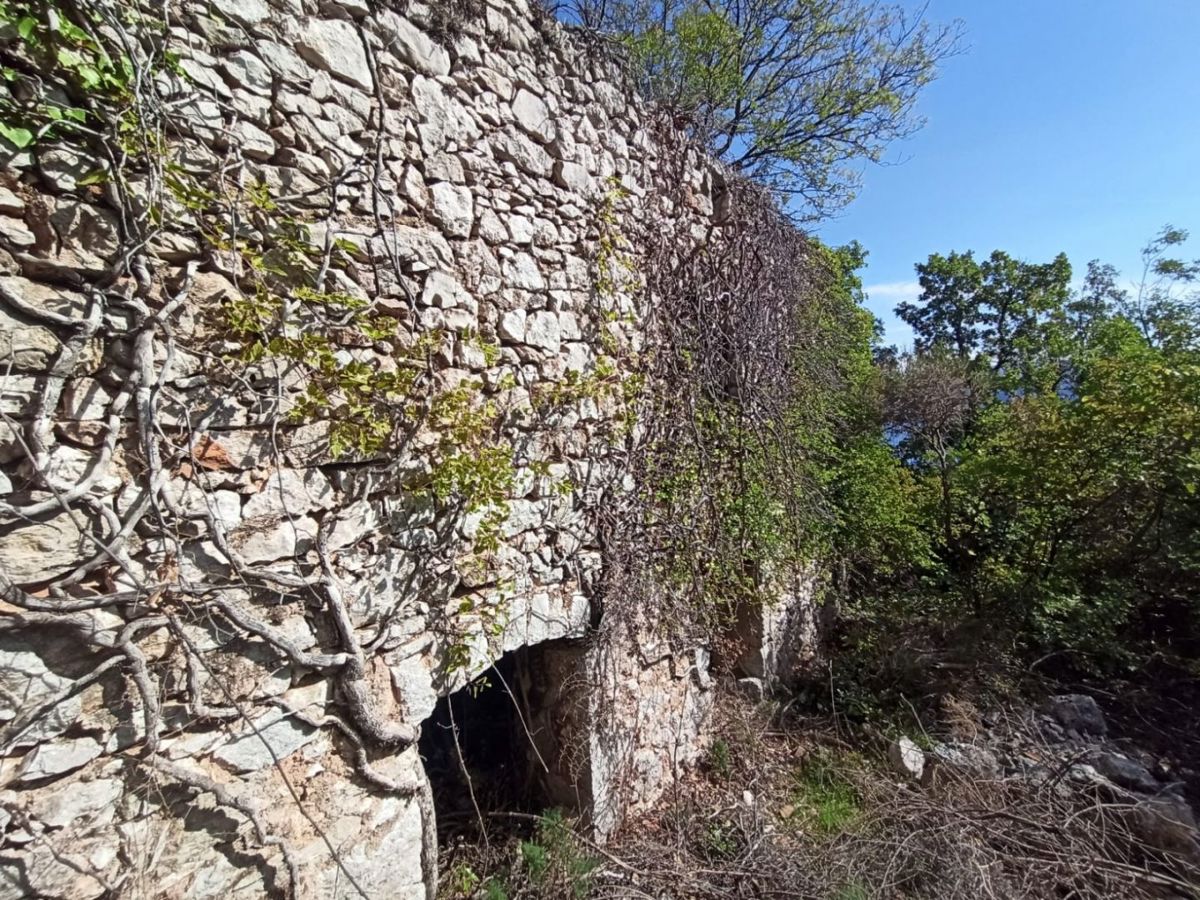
{"points": [[89, 76], [16, 135], [26, 26]]}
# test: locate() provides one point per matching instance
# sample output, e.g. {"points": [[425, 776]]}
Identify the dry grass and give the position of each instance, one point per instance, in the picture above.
{"points": [[789, 807], [797, 812]]}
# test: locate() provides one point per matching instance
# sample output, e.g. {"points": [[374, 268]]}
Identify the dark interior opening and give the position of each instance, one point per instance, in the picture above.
{"points": [[520, 731]]}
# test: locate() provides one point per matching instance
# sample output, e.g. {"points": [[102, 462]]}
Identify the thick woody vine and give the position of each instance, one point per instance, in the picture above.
{"points": [[97, 79], [89, 79]]}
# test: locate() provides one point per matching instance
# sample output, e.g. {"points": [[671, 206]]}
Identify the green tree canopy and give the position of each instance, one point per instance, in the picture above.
{"points": [[791, 92], [1001, 314], [1054, 437]]}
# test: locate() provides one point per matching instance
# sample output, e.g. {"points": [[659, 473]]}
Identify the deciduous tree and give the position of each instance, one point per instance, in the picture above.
{"points": [[794, 93]]}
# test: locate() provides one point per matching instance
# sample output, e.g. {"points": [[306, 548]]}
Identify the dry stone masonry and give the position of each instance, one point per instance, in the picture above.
{"points": [[232, 588]]}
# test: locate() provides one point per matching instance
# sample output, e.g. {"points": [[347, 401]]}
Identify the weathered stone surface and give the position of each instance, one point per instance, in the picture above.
{"points": [[428, 248], [972, 758], [58, 758], [253, 141], [41, 549], [27, 682], [56, 871], [244, 12], [290, 492], [520, 229], [523, 153], [572, 177], [522, 272], [335, 46], [532, 114], [512, 326], [444, 120], [244, 68], [68, 466], [277, 736], [45, 297], [1078, 712], [453, 208], [63, 804], [271, 538], [1124, 771], [16, 233], [63, 167], [412, 45], [11, 203], [906, 757], [27, 347], [1168, 823], [541, 330], [92, 229]]}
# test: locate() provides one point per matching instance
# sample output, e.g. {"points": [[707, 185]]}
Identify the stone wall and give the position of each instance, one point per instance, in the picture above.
{"points": [[223, 618]]}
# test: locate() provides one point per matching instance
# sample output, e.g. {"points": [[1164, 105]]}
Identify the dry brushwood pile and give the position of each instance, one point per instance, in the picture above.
{"points": [[785, 807]]}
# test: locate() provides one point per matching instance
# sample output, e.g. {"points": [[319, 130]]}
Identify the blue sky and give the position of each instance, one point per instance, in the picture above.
{"points": [[1067, 125]]}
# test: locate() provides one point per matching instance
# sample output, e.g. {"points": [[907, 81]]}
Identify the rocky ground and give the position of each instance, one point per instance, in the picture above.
{"points": [[1025, 799]]}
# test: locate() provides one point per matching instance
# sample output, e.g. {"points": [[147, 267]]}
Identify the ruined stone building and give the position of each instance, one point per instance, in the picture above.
{"points": [[314, 391]]}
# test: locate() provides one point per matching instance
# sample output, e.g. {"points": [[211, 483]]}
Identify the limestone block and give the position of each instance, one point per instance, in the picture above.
{"points": [[11, 203], [444, 167], [276, 736], [25, 347], [512, 326], [16, 233], [453, 208], [521, 271], [26, 681], [244, 12], [533, 116], [42, 549], [355, 522], [459, 320], [491, 228], [906, 758], [63, 167], [424, 246], [542, 330], [47, 298], [66, 802], [200, 69], [68, 466], [572, 177], [243, 69], [521, 229], [444, 119], [412, 45], [267, 538], [89, 234], [58, 758], [253, 141], [523, 153], [291, 492], [335, 46]]}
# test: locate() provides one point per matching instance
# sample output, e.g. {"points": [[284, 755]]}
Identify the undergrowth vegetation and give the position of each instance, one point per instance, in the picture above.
{"points": [[788, 807], [1046, 435], [551, 862]]}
